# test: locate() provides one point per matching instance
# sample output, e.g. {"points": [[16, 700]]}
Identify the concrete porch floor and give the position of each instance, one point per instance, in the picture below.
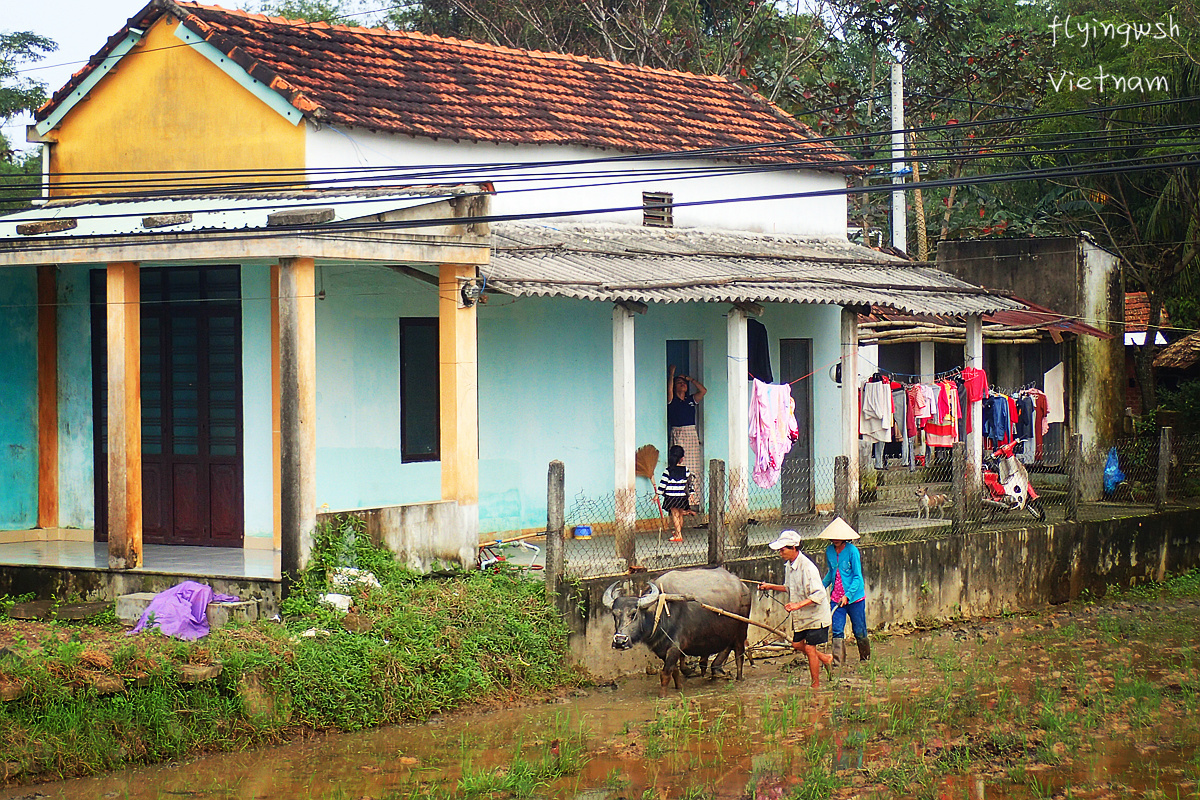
{"points": [[207, 562]]}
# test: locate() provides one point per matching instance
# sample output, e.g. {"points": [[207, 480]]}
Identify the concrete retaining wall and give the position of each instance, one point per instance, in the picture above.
{"points": [[422, 535], [979, 574], [103, 585]]}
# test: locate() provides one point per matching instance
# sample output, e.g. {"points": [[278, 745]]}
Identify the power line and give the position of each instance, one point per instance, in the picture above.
{"points": [[1123, 166]]}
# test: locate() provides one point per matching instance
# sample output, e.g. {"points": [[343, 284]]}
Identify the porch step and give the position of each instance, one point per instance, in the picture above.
{"points": [[130, 608]]}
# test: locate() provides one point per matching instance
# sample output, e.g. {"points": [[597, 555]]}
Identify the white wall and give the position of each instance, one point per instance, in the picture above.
{"points": [[560, 191]]}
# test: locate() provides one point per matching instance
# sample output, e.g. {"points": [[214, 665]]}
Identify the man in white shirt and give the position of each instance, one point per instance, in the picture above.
{"points": [[808, 603]]}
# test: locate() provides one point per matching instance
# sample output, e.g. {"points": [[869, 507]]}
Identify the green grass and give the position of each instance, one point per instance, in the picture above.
{"points": [[431, 645]]}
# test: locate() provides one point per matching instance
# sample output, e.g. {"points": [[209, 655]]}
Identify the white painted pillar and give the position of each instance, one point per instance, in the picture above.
{"points": [[297, 411], [925, 354], [737, 368], [624, 443], [850, 407], [899, 215], [973, 357]]}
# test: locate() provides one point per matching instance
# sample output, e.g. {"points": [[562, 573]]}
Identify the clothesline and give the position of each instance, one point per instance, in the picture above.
{"points": [[824, 366], [953, 372]]}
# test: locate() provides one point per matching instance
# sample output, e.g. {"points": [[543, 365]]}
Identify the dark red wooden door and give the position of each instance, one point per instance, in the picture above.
{"points": [[192, 475]]}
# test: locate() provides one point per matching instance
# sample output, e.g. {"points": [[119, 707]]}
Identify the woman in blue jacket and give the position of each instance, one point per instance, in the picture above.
{"points": [[847, 593]]}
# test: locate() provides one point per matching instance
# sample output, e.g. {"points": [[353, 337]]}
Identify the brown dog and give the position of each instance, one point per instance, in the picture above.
{"points": [[927, 503]]}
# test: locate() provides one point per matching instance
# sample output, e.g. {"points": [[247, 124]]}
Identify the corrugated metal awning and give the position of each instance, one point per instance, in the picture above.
{"points": [[619, 263], [213, 211]]}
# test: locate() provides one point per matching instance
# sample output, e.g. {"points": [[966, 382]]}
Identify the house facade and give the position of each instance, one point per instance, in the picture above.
{"points": [[253, 289]]}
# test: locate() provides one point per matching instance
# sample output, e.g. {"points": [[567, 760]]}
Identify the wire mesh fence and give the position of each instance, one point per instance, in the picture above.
{"points": [[897, 501]]}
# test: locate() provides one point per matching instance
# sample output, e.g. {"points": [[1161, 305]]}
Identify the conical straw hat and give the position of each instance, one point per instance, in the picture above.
{"points": [[838, 531]]}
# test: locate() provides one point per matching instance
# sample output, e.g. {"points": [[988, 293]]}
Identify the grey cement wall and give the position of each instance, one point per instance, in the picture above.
{"points": [[101, 585], [422, 534], [1073, 276], [978, 574]]}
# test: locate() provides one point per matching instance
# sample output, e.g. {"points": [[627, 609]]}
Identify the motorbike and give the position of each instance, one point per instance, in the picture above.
{"points": [[1007, 487]]}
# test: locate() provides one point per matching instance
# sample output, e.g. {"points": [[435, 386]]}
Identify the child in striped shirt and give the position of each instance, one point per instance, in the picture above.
{"points": [[673, 486]]}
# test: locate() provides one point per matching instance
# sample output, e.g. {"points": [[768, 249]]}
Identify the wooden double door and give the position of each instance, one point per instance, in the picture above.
{"points": [[191, 353]]}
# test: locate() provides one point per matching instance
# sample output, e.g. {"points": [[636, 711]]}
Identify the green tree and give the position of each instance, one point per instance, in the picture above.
{"points": [[1149, 218], [965, 62], [19, 174], [758, 42], [335, 12]]}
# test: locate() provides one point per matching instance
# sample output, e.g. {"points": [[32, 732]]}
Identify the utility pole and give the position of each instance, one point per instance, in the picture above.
{"points": [[899, 216]]}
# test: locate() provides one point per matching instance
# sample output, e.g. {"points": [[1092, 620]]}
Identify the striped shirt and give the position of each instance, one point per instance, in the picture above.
{"points": [[674, 482]]}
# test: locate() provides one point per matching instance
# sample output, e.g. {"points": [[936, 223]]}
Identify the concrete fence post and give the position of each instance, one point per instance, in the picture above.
{"points": [[1164, 469], [716, 511], [958, 488], [841, 488], [555, 525], [1074, 477]]}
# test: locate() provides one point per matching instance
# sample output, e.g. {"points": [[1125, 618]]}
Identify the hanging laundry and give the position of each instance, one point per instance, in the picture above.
{"points": [[772, 429], [875, 418], [942, 430], [976, 384]]}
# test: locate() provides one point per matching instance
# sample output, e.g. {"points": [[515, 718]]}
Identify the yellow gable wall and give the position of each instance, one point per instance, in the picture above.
{"points": [[168, 108]]}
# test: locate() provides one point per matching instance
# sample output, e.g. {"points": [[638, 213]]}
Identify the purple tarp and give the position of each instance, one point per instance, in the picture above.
{"points": [[181, 610]]}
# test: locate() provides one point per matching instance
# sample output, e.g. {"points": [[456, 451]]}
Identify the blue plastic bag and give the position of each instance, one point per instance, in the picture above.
{"points": [[1113, 476]]}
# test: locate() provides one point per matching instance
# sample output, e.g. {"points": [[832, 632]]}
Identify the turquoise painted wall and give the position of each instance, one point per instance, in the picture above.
{"points": [[18, 398], [358, 389], [545, 392], [76, 466], [258, 508]]}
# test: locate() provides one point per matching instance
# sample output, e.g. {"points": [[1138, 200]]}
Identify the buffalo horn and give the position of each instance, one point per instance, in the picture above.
{"points": [[650, 598], [611, 593]]}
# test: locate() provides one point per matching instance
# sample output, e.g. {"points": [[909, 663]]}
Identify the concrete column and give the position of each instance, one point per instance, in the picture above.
{"points": [[973, 477], [1164, 469], [47, 383], [850, 411], [1074, 458], [960, 515], [925, 355], [555, 527], [276, 476], [124, 320], [624, 443], [737, 377], [459, 395], [297, 411], [716, 511]]}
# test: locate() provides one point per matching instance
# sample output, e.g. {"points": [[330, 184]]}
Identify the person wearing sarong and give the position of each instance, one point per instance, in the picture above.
{"points": [[683, 394]]}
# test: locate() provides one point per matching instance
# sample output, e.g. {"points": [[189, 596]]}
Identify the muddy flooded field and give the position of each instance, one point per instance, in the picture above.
{"points": [[1082, 701]]}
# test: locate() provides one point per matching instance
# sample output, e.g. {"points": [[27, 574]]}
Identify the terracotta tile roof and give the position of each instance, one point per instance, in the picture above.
{"points": [[1182, 354], [1137, 313], [428, 86]]}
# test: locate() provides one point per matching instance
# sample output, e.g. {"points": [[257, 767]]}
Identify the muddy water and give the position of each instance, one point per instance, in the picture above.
{"points": [[982, 711]]}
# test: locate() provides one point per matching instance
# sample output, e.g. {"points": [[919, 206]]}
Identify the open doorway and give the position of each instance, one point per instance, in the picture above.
{"points": [[687, 356], [796, 478]]}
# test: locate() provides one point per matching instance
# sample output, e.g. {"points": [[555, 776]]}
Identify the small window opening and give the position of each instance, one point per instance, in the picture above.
{"points": [[657, 209]]}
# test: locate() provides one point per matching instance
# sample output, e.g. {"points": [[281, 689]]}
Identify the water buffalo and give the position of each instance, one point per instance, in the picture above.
{"points": [[688, 629]]}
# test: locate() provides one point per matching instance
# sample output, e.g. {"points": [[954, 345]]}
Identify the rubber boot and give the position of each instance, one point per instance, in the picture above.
{"points": [[864, 649], [838, 649]]}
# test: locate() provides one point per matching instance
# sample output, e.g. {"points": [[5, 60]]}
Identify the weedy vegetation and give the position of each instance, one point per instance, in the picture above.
{"points": [[87, 699]]}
